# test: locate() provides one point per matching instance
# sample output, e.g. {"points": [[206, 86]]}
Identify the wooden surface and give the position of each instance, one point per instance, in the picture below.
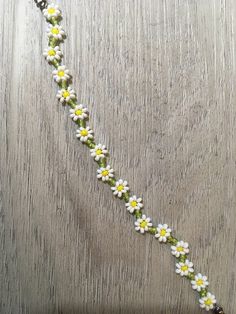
{"points": [[159, 79]]}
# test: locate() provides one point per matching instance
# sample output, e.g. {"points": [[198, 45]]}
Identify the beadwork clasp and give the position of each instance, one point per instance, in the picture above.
{"points": [[41, 4], [218, 310]]}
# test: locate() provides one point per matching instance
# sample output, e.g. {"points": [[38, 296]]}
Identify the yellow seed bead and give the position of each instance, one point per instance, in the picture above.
{"points": [[105, 173], [120, 188], [51, 52], [78, 112], [133, 203], [163, 232], [98, 152], [51, 10], [208, 302], [61, 73], [199, 282], [66, 94], [84, 132], [143, 224], [55, 30], [184, 268]]}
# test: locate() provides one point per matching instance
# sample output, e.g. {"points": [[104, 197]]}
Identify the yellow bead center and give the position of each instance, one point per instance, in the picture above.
{"points": [[78, 112], [184, 268], [55, 30], [105, 173], [84, 132], [61, 73], [120, 187], [51, 11], [133, 203], [180, 249], [163, 232], [51, 52], [208, 302], [143, 224], [98, 152], [66, 94], [199, 282]]}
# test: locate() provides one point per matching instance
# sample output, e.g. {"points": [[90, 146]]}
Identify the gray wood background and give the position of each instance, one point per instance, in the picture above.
{"points": [[159, 79]]}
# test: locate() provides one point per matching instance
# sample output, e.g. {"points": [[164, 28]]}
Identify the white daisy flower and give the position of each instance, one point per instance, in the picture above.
{"points": [[208, 302], [120, 188], [65, 95], [105, 173], [55, 31], [52, 54], [181, 248], [52, 10], [98, 152], [84, 134], [142, 224], [184, 268], [200, 282], [134, 204], [79, 112], [163, 232], [61, 74]]}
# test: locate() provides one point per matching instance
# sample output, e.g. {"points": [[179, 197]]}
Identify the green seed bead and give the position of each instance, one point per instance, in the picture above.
{"points": [[152, 230], [64, 85], [203, 292], [81, 123], [138, 214], [191, 276], [182, 258], [102, 162], [72, 103], [112, 181], [126, 196], [55, 63], [90, 144], [172, 240], [53, 21], [52, 42]]}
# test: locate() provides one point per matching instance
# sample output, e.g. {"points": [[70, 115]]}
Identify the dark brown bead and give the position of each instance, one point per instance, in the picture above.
{"points": [[218, 310]]}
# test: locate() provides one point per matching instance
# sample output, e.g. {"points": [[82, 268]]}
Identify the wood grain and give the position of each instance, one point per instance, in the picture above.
{"points": [[159, 79]]}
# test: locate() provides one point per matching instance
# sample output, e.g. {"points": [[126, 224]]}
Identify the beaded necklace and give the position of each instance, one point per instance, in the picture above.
{"points": [[120, 188]]}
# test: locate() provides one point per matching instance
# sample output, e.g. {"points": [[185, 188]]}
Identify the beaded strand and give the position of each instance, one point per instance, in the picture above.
{"points": [[80, 116]]}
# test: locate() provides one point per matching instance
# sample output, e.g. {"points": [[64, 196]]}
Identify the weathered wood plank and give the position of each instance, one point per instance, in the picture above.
{"points": [[158, 78]]}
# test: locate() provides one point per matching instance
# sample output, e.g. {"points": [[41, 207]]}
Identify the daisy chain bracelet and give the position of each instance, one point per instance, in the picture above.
{"points": [[134, 205]]}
